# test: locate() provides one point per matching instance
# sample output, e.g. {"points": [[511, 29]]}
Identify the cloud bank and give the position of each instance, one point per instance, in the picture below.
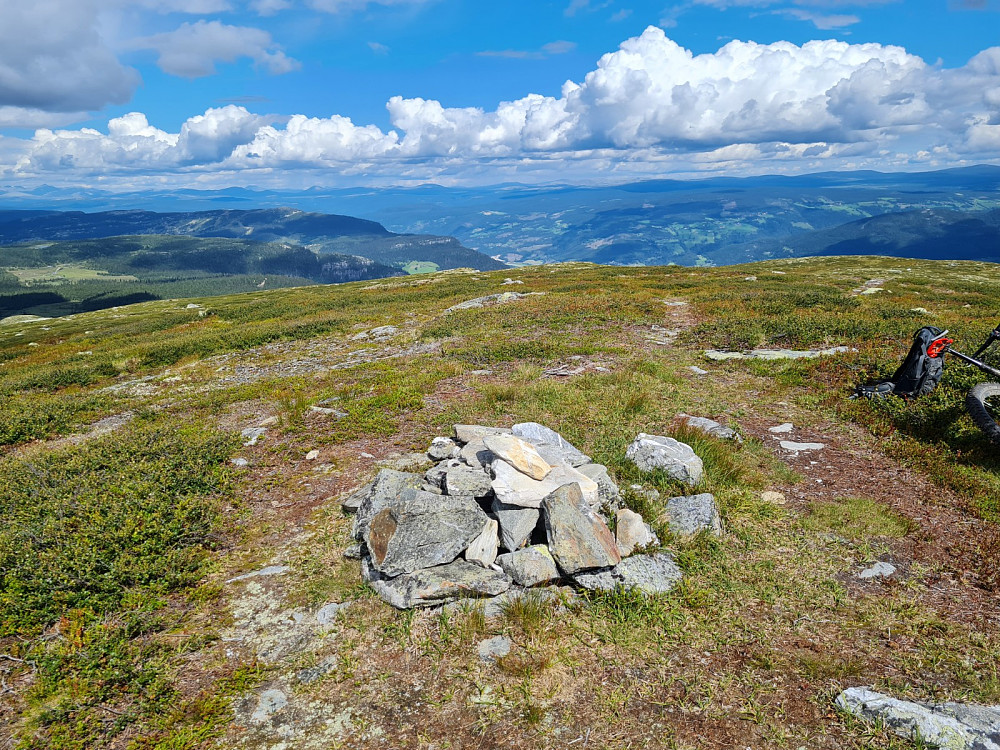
{"points": [[646, 106]]}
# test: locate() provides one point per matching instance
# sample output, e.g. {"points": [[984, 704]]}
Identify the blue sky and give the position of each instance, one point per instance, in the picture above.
{"points": [[118, 93]]}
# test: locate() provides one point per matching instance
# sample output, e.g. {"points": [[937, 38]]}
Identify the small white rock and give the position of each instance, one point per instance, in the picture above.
{"points": [[781, 428], [312, 455]]}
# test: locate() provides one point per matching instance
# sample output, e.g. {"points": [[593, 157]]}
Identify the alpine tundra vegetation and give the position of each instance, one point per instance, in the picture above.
{"points": [[181, 483]]}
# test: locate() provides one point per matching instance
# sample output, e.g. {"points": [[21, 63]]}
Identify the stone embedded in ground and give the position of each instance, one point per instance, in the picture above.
{"points": [[607, 490], [483, 549], [251, 435], [312, 455], [520, 454], [678, 460], [466, 480], [691, 514], [631, 532], [878, 570], [441, 448], [418, 530], [491, 299], [466, 433], [578, 538], [782, 428], [550, 444], [955, 726], [476, 454], [241, 462], [697, 370], [529, 566], [270, 570], [494, 648], [775, 498], [327, 614], [432, 586], [775, 354], [269, 703], [794, 447], [711, 427], [516, 523], [650, 574], [388, 484]]}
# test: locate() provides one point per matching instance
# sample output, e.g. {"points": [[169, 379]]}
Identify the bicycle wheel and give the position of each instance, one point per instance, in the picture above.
{"points": [[983, 403]]}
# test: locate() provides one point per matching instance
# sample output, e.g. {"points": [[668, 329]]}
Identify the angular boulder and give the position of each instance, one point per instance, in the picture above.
{"points": [[955, 726], [529, 566], [676, 459], [435, 475], [550, 444], [483, 549], [631, 532], [438, 585], [691, 514], [578, 538], [441, 449], [518, 453], [476, 454], [650, 574], [607, 491], [419, 530], [387, 485], [466, 433], [466, 480], [516, 523]]}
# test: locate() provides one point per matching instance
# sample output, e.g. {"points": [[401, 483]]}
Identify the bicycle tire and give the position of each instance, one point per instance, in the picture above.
{"points": [[979, 410]]}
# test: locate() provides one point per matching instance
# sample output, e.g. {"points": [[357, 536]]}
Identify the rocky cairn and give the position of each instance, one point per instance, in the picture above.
{"points": [[502, 510]]}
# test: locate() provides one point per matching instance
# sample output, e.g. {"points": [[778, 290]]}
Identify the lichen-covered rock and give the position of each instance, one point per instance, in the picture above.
{"points": [[435, 475], [529, 566], [578, 538], [431, 586], [419, 530], [691, 514], [518, 453], [677, 459], [607, 491], [466, 480], [483, 549], [950, 726], [466, 433], [388, 484], [476, 454], [441, 449], [550, 444], [650, 574], [516, 523], [631, 532]]}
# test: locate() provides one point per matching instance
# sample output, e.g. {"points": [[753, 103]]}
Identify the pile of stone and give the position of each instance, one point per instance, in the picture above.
{"points": [[502, 508]]}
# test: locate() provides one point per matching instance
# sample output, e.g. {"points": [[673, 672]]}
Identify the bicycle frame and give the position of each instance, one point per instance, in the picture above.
{"points": [[991, 339]]}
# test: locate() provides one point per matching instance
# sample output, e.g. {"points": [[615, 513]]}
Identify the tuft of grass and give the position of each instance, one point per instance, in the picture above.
{"points": [[856, 518]]}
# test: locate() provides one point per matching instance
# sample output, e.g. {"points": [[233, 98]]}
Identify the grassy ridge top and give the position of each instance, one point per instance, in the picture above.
{"points": [[769, 624]]}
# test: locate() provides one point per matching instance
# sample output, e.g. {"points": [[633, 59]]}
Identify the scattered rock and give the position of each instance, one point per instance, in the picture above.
{"points": [[519, 454], [542, 437], [790, 445], [529, 566], [239, 462], [578, 538], [677, 459], [697, 370], [437, 585], [873, 290], [691, 514], [775, 498], [516, 523], [483, 549], [441, 449], [251, 435], [327, 411], [650, 574], [632, 532], [268, 422], [955, 726], [878, 570], [417, 529], [782, 428], [494, 648], [710, 427], [649, 493], [507, 282], [270, 570], [312, 455]]}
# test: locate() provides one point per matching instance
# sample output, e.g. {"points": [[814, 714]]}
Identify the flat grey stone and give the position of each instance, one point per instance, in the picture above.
{"points": [[268, 704], [444, 583], [435, 475], [406, 462], [354, 551], [711, 427], [650, 493], [466, 433], [677, 459], [476, 454], [697, 370], [550, 444], [784, 427], [514, 488], [466, 480], [327, 614], [878, 570], [691, 514], [632, 532], [419, 530], [494, 648], [516, 523], [387, 485], [520, 454], [270, 570], [529, 566], [241, 462], [650, 574], [309, 675], [578, 538], [441, 448], [794, 447], [607, 491], [251, 435], [483, 549], [352, 502], [490, 299], [775, 354], [951, 726]]}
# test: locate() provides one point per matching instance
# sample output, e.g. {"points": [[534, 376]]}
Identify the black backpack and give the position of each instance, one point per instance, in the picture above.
{"points": [[920, 372]]}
